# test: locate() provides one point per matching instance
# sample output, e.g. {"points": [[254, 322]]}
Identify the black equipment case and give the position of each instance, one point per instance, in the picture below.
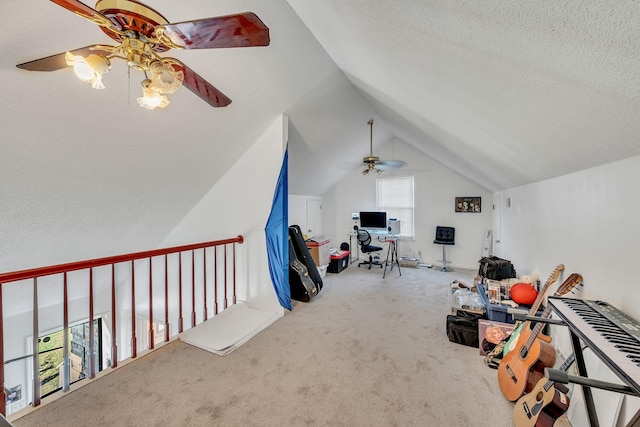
{"points": [[304, 279]]}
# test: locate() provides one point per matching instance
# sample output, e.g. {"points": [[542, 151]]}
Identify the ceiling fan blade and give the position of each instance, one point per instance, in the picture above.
{"points": [[86, 12], [241, 30], [57, 61], [205, 90], [390, 164]]}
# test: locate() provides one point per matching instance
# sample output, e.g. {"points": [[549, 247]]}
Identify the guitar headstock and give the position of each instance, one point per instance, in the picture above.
{"points": [[554, 276], [570, 282]]}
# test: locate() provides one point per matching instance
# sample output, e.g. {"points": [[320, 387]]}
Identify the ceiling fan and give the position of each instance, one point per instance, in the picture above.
{"points": [[142, 34], [374, 163]]}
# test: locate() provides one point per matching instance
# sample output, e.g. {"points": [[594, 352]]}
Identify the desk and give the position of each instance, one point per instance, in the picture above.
{"points": [[384, 237]]}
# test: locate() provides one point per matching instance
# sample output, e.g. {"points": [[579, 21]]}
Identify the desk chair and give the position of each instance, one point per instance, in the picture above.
{"points": [[445, 236], [364, 239]]}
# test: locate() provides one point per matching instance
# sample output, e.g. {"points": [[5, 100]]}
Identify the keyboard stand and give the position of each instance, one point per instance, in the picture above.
{"points": [[560, 376], [582, 379]]}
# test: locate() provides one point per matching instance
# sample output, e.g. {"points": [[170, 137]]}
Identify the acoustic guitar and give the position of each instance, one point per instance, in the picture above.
{"points": [[521, 369], [543, 396], [513, 338]]}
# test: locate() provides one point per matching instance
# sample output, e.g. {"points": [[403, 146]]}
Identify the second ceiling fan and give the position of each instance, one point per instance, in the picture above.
{"points": [[374, 164]]}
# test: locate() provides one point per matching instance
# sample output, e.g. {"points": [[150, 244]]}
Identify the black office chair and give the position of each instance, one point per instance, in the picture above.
{"points": [[364, 238], [445, 236]]}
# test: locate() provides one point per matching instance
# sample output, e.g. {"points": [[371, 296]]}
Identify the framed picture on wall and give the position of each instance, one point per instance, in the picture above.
{"points": [[468, 204]]}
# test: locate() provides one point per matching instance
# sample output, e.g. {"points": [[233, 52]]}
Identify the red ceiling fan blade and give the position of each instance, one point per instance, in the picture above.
{"points": [[241, 30], [57, 61], [205, 90], [86, 12]]}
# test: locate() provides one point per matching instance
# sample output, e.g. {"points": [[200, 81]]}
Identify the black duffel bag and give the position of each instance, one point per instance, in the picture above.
{"points": [[462, 328], [495, 268]]}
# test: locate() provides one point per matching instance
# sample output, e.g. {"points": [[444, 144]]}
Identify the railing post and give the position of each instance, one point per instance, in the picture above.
{"points": [[180, 325], [193, 288], [92, 339], [134, 341], [151, 332], [166, 299], [215, 280], [234, 273], [36, 348], [226, 301], [114, 334], [3, 395], [205, 313], [66, 367]]}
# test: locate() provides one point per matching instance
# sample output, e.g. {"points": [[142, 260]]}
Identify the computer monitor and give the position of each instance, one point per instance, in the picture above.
{"points": [[373, 220]]}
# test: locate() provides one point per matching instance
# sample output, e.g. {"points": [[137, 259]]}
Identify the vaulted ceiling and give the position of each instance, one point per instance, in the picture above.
{"points": [[506, 93]]}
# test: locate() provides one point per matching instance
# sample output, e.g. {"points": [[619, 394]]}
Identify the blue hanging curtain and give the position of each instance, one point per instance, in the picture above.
{"points": [[277, 232]]}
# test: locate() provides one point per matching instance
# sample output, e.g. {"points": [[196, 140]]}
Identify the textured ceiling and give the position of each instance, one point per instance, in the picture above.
{"points": [[503, 92]]}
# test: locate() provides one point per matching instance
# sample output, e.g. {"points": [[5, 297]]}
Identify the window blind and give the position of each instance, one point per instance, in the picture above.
{"points": [[395, 196]]}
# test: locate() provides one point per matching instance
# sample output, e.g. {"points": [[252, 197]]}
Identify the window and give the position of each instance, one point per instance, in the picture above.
{"points": [[395, 196], [51, 356]]}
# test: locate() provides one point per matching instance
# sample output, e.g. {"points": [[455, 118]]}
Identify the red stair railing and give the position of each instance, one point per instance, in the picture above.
{"points": [[34, 274]]}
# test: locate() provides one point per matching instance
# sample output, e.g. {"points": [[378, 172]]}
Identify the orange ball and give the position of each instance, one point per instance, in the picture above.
{"points": [[523, 293]]}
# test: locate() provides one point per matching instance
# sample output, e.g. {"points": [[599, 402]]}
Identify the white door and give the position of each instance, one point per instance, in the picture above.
{"points": [[497, 225], [314, 216], [298, 211]]}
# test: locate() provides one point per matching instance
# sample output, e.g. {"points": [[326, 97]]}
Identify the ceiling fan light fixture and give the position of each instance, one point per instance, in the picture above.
{"points": [[372, 167], [151, 99], [164, 78], [89, 69], [142, 34]]}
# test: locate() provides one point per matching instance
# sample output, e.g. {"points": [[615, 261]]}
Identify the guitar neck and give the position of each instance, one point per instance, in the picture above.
{"points": [[537, 328], [565, 365], [545, 288], [566, 286], [536, 304]]}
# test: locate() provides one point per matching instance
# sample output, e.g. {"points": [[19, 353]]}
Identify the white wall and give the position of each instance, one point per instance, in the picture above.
{"points": [[436, 187], [239, 204], [587, 221]]}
